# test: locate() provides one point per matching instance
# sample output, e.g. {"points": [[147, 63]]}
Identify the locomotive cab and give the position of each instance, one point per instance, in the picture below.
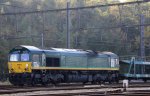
{"points": [[21, 61], [23, 58]]}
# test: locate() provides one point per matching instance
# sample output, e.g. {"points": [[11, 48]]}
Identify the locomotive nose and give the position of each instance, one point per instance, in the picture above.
{"points": [[19, 67]]}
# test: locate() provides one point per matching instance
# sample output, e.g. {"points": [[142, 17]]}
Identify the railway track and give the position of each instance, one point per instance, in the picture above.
{"points": [[69, 90]]}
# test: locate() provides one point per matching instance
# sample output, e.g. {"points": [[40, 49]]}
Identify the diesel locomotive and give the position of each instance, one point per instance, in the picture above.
{"points": [[31, 65]]}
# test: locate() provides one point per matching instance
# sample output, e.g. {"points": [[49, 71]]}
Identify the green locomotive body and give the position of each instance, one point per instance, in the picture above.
{"points": [[31, 65], [68, 58]]}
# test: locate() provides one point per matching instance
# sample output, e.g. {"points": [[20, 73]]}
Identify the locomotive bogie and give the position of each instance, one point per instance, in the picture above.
{"points": [[63, 76]]}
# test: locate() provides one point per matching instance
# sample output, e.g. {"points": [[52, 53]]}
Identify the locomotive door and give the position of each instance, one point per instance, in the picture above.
{"points": [[36, 60]]}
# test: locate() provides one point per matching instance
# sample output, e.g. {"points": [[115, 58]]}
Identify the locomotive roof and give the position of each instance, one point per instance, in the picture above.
{"points": [[64, 51], [79, 51], [30, 48], [135, 62]]}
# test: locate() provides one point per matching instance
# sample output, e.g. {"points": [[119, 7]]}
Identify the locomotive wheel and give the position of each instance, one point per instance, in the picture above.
{"points": [[84, 82], [33, 83], [100, 82], [59, 80], [12, 81], [54, 82], [110, 82], [21, 84], [117, 81], [14, 84], [44, 83], [145, 80], [93, 82]]}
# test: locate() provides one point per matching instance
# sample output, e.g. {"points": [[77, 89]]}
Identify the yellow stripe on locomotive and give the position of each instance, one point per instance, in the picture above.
{"points": [[69, 68]]}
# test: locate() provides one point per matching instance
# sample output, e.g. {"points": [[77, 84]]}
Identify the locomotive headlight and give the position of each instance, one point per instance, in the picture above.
{"points": [[27, 65]]}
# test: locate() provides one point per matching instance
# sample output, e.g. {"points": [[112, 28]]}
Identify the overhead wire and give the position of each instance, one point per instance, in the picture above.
{"points": [[74, 8]]}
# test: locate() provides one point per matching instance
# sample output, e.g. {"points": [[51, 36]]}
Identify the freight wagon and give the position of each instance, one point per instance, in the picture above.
{"points": [[134, 69]]}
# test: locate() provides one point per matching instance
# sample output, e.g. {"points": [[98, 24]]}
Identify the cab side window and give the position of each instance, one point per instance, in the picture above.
{"points": [[36, 60]]}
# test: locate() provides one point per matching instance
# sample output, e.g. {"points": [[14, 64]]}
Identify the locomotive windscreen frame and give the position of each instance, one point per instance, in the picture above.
{"points": [[52, 62]]}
